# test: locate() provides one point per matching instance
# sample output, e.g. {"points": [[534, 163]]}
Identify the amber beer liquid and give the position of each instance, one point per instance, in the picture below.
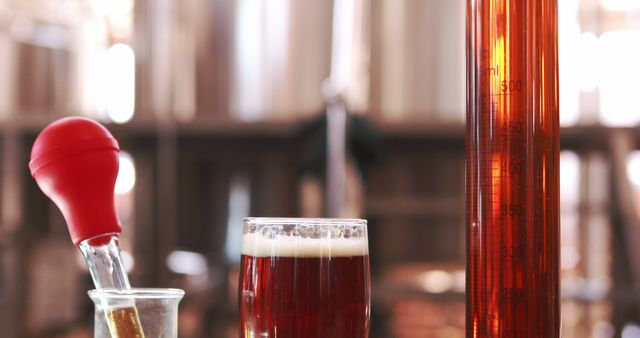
{"points": [[293, 287], [124, 323], [512, 147]]}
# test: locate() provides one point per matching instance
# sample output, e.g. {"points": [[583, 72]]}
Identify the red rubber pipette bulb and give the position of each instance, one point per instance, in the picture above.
{"points": [[74, 160]]}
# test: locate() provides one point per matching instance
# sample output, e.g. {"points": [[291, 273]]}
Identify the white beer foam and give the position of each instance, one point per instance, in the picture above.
{"points": [[258, 245]]}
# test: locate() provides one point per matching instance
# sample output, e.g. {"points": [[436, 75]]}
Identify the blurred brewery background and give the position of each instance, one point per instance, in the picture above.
{"points": [[219, 107]]}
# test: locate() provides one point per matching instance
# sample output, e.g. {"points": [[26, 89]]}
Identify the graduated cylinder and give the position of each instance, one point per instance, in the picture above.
{"points": [[512, 150]]}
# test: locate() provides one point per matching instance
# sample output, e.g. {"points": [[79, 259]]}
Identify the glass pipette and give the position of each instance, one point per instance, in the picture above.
{"points": [[75, 162]]}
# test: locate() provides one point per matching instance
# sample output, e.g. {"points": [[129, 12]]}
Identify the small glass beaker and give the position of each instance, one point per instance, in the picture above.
{"points": [[136, 313]]}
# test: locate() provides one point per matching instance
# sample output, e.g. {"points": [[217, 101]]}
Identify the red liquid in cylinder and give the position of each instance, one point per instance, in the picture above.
{"points": [[512, 150]]}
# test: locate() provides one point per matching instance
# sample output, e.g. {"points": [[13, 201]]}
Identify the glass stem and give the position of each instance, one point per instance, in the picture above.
{"points": [[102, 255]]}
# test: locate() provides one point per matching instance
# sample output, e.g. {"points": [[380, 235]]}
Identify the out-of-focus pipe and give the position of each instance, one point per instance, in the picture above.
{"points": [[345, 13]]}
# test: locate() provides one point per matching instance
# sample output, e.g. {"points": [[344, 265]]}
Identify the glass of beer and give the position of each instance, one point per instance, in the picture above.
{"points": [[302, 277]]}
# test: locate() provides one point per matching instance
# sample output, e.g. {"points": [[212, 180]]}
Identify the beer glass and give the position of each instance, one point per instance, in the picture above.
{"points": [[304, 277]]}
